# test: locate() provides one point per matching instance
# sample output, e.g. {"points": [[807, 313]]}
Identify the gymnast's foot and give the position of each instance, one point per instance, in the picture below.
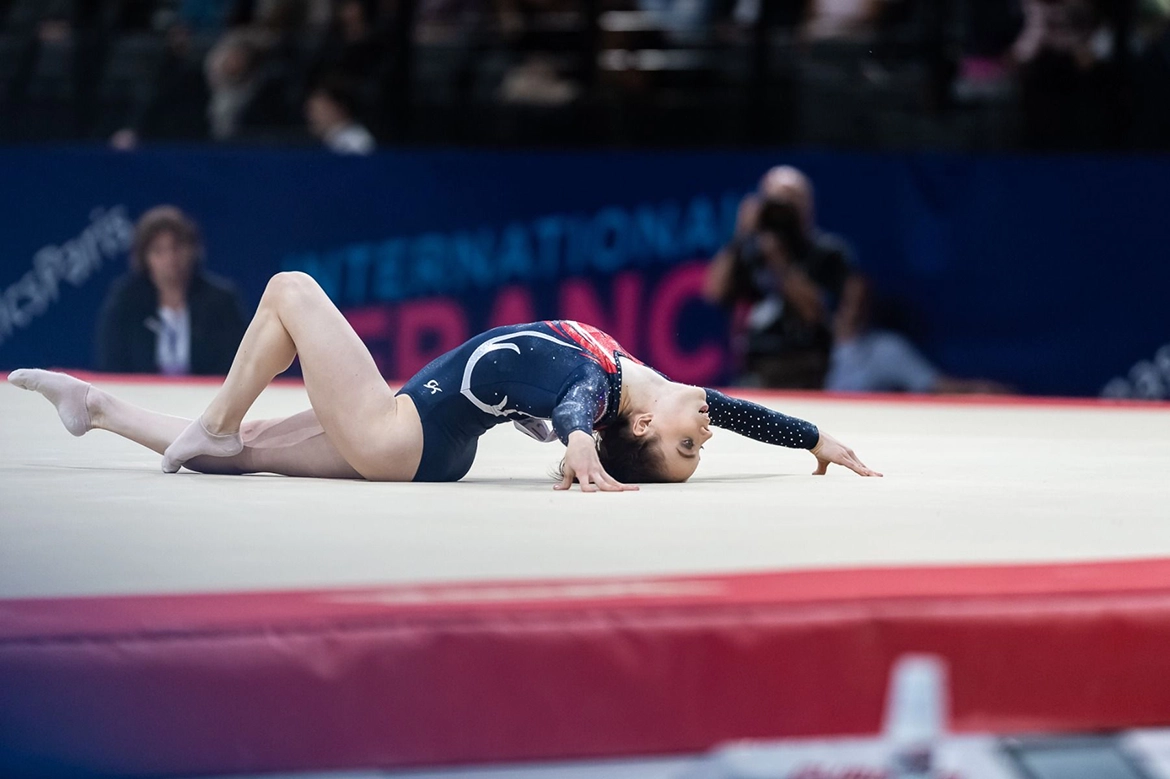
{"points": [[196, 441], [68, 394]]}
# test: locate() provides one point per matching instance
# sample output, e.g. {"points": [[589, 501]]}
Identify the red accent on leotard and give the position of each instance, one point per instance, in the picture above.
{"points": [[599, 345]]}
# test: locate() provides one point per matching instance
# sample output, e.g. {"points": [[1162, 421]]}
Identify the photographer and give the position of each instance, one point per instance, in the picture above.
{"points": [[803, 312], [786, 278]]}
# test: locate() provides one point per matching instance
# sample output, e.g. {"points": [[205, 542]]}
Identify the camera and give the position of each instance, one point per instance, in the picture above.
{"points": [[783, 219]]}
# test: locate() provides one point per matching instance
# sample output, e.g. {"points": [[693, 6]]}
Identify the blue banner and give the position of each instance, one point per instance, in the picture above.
{"points": [[1047, 273]]}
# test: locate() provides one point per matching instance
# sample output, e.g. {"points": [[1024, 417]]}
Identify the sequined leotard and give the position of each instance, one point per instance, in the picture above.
{"points": [[563, 371]]}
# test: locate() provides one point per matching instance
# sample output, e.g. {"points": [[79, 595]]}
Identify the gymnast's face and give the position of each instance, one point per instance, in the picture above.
{"points": [[679, 419]]}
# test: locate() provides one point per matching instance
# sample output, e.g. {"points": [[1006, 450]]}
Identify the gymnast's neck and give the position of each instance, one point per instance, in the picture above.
{"points": [[641, 386]]}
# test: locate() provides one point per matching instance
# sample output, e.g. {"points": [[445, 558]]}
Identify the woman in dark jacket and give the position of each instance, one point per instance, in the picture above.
{"points": [[168, 315]]}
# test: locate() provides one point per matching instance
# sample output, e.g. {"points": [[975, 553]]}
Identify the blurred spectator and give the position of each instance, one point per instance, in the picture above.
{"points": [[1151, 127], [1071, 94], [989, 29], [1089, 73], [177, 107], [841, 18], [785, 276], [539, 78], [1059, 26], [329, 110], [168, 315], [538, 81], [807, 318], [282, 33], [1152, 18], [349, 48], [246, 94], [77, 32]]}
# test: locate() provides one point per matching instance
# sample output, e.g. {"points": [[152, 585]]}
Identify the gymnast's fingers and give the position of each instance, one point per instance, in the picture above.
{"points": [[851, 461], [566, 481], [603, 480], [858, 467]]}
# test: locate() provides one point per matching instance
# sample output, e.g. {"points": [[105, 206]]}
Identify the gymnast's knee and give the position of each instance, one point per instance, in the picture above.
{"points": [[289, 286]]}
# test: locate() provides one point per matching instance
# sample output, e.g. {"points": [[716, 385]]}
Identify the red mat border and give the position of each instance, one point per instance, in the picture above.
{"points": [[435, 674], [46, 619]]}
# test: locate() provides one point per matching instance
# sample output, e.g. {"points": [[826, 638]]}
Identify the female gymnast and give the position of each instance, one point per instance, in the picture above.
{"points": [[621, 422]]}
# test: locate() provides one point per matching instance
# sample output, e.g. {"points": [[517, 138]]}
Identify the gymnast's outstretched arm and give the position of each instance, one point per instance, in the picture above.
{"points": [[764, 424]]}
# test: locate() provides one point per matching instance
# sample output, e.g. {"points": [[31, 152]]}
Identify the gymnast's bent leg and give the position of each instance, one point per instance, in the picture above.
{"points": [[378, 434], [294, 446]]}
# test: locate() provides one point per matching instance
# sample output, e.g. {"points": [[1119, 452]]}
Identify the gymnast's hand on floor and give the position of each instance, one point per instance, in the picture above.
{"points": [[830, 450], [581, 462]]}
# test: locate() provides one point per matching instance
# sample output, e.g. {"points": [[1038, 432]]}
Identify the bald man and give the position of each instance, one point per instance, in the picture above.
{"points": [[805, 310], [787, 279]]}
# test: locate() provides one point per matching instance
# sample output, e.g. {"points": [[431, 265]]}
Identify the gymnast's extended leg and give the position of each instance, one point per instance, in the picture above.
{"points": [[378, 434], [294, 446]]}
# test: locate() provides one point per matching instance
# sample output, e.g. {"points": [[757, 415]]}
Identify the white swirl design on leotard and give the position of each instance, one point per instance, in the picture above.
{"points": [[491, 345]]}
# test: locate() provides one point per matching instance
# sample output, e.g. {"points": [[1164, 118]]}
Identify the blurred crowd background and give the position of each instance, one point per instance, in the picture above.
{"points": [[735, 188], [873, 74]]}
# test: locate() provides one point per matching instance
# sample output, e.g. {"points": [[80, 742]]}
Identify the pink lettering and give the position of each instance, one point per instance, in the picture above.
{"points": [[513, 306], [699, 366], [427, 329], [373, 326]]}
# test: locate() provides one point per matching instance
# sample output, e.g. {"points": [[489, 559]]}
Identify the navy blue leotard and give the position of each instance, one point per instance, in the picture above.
{"points": [[563, 371]]}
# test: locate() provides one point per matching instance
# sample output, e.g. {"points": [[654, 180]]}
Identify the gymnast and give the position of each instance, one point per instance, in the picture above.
{"points": [[622, 423]]}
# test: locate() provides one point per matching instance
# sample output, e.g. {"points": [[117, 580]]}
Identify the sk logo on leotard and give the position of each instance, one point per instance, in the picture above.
{"points": [[433, 386]]}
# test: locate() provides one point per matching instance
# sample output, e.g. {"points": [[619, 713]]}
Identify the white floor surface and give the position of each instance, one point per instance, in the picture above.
{"points": [[964, 484]]}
